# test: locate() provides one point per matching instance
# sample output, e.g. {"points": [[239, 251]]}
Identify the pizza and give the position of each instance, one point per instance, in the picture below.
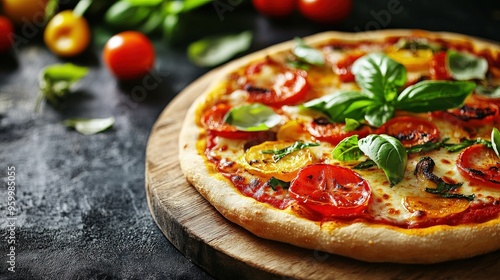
{"points": [[380, 146]]}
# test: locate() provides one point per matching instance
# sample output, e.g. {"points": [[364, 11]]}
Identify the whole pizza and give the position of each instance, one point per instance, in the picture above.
{"points": [[380, 146]]}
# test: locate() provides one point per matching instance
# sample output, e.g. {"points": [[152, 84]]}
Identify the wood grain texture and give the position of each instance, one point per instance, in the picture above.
{"points": [[228, 251]]}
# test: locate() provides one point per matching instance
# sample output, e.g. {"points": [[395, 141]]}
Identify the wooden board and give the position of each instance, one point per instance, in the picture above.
{"points": [[228, 251]]}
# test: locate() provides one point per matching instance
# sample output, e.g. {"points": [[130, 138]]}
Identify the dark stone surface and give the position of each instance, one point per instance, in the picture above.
{"points": [[80, 200]]}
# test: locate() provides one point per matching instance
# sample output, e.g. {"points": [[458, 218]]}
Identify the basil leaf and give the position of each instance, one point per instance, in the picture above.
{"points": [[443, 189], [464, 144], [417, 44], [279, 154], [489, 92], [253, 117], [427, 96], [90, 126], [426, 147], [351, 125], [339, 106], [275, 183], [126, 15], [212, 51], [365, 164], [379, 76], [143, 2], [388, 153], [347, 149], [466, 66], [56, 81], [308, 54], [495, 140], [377, 114]]}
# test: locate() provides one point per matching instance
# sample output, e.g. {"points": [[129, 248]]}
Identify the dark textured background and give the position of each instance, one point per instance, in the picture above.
{"points": [[82, 211]]}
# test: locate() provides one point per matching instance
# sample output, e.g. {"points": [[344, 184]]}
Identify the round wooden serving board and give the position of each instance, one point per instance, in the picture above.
{"points": [[228, 251]]}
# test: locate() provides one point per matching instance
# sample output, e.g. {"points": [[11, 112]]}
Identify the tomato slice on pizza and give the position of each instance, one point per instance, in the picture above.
{"points": [[410, 131], [481, 165], [330, 190]]}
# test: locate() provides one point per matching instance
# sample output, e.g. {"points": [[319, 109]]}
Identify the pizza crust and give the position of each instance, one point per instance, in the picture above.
{"points": [[362, 241]]}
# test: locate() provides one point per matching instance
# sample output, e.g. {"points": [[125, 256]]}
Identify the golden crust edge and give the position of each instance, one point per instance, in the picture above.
{"points": [[362, 241]]}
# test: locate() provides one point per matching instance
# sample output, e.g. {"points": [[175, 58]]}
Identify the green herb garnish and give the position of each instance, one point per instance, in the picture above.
{"points": [[275, 183], [495, 140], [466, 66], [347, 149], [298, 145], [307, 54], [90, 126], [253, 117]]}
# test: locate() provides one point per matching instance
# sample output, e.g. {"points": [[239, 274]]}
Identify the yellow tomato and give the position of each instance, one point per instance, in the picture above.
{"points": [[265, 165], [67, 34], [293, 131], [418, 60], [435, 207], [23, 11]]}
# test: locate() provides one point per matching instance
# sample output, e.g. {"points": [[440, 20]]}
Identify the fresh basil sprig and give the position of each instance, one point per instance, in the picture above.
{"points": [[252, 117], [466, 66], [495, 140], [90, 126], [380, 79], [383, 150], [307, 54], [281, 153]]}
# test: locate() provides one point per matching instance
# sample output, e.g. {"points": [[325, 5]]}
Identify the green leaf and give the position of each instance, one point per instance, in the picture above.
{"points": [[51, 9], [275, 183], [90, 126], [351, 125], [377, 114], [154, 22], [417, 44], [455, 147], [379, 76], [444, 189], [212, 51], [193, 4], [169, 24], [339, 106], [308, 54], [123, 14], [298, 145], [427, 96], [466, 66], [388, 153], [488, 91], [347, 149], [495, 140], [56, 81], [253, 117], [144, 2], [82, 7]]}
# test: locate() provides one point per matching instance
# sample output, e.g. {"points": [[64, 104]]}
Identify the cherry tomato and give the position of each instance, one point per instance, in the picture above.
{"points": [[325, 11], [213, 120], [480, 164], [333, 133], [25, 11], [330, 190], [472, 114], [129, 55], [343, 67], [67, 34], [410, 131], [275, 85], [438, 68], [6, 31], [274, 8]]}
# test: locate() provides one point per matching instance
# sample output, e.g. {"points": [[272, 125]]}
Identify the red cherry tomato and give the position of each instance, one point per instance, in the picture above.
{"points": [[438, 69], [325, 11], [275, 85], [213, 120], [129, 55], [410, 131], [333, 133], [330, 190], [343, 67], [481, 165], [471, 114], [274, 8], [6, 31]]}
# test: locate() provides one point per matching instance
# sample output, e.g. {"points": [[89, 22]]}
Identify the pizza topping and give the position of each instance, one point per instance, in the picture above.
{"points": [[410, 131], [471, 114], [425, 168], [388, 153], [438, 69], [275, 183], [415, 44], [343, 67], [278, 159], [213, 121], [434, 207], [481, 165], [307, 54], [495, 141], [347, 149], [252, 117], [488, 93], [330, 191], [466, 66], [322, 129]]}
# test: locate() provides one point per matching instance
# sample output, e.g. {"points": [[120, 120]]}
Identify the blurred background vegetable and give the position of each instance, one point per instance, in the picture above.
{"points": [[24, 11], [6, 31]]}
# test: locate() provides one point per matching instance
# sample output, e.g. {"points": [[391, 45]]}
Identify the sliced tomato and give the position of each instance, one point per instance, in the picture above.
{"points": [[471, 114], [481, 165], [330, 190], [438, 69], [343, 67], [213, 120], [274, 84], [333, 133], [410, 131]]}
